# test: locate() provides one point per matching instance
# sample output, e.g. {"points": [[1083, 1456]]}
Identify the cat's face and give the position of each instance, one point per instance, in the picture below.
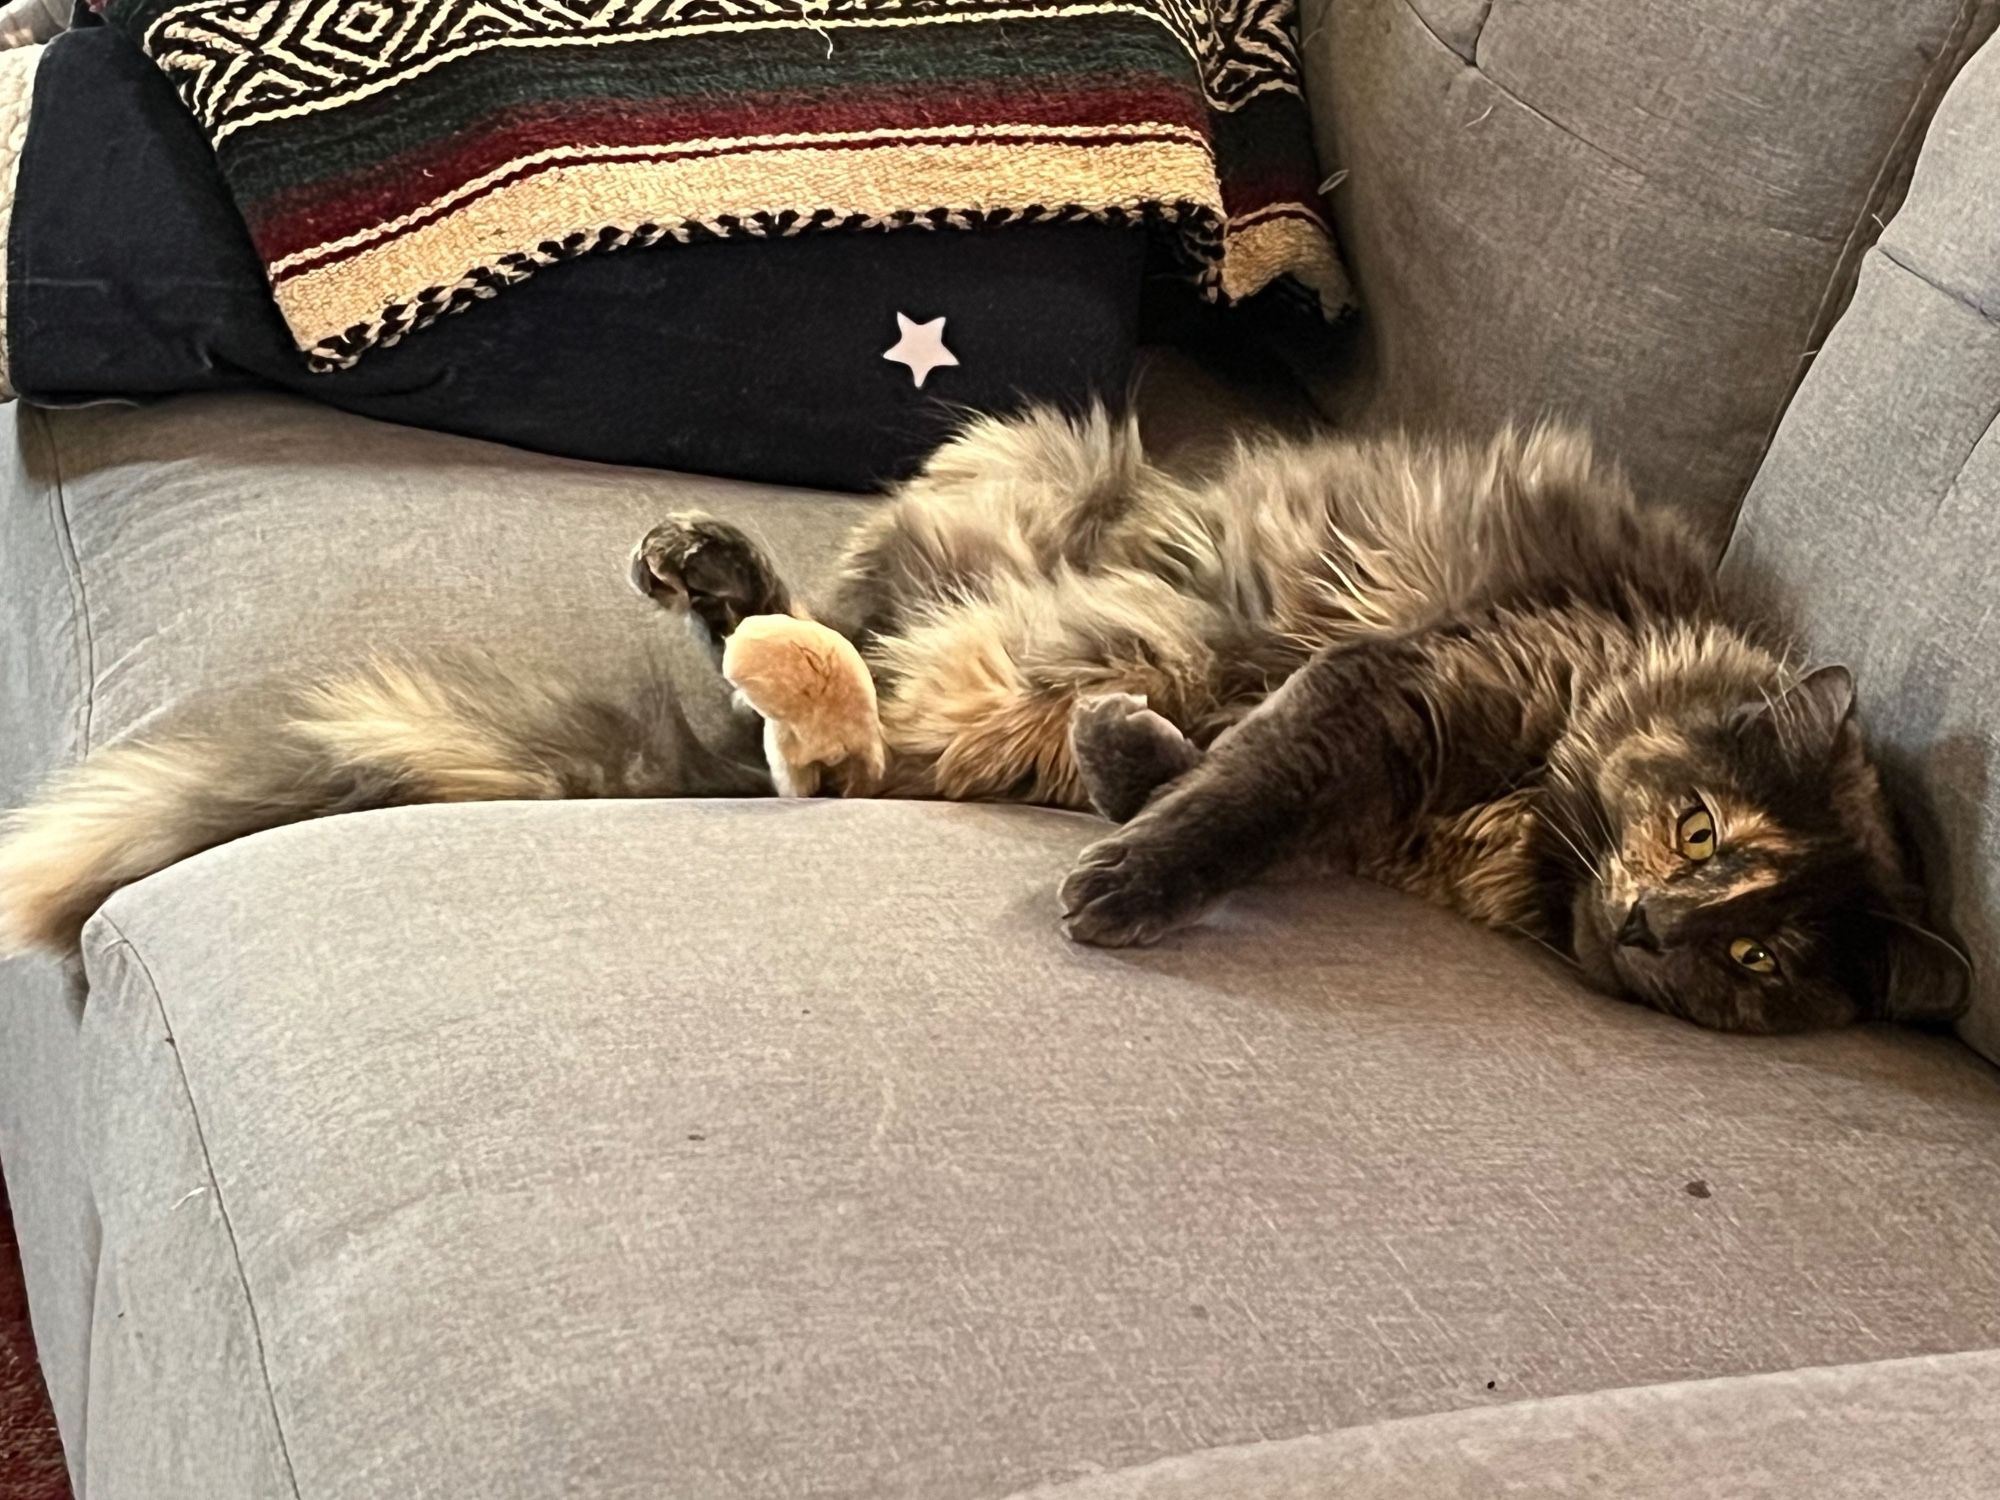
{"points": [[1741, 873]]}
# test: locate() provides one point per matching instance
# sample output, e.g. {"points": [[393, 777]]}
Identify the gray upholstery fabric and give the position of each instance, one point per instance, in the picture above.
{"points": [[1886, 1431], [706, 1150], [786, 1149], [43, 675], [44, 650], [1878, 512], [55, 1218], [1641, 216], [217, 541], [172, 558], [165, 558]]}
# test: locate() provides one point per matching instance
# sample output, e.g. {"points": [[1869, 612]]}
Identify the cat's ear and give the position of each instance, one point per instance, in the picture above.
{"points": [[1921, 977], [1809, 719]]}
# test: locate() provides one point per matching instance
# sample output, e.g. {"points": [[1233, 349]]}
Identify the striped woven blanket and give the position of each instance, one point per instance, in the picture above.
{"points": [[396, 160]]}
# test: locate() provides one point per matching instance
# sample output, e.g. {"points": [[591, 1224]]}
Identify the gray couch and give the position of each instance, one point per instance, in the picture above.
{"points": [[713, 1150]]}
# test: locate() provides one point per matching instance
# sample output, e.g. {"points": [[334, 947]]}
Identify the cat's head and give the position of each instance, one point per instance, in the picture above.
{"points": [[1735, 863]]}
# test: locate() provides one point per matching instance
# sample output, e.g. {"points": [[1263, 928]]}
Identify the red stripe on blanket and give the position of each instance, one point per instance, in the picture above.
{"points": [[290, 222], [586, 156]]}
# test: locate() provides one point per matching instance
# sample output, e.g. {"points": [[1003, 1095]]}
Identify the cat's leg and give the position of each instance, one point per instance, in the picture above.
{"points": [[710, 570], [977, 696], [1335, 763], [1125, 752]]}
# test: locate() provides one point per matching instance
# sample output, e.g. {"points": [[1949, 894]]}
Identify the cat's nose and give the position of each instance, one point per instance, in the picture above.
{"points": [[1637, 932]]}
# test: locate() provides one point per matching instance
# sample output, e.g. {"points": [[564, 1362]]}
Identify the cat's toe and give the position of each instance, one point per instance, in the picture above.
{"points": [[1100, 728], [1125, 752], [1100, 711], [1109, 901], [659, 562]]}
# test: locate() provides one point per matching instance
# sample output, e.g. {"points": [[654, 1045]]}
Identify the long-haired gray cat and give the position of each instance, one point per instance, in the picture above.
{"points": [[1484, 675]]}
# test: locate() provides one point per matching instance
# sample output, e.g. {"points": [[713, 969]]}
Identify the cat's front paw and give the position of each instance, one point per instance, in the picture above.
{"points": [[710, 569], [1121, 895]]}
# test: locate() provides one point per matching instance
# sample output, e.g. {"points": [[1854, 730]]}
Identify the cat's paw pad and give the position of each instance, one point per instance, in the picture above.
{"points": [[710, 569], [1111, 718], [1116, 897]]}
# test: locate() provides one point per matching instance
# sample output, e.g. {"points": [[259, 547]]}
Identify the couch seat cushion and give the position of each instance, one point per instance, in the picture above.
{"points": [[1884, 1431], [177, 557], [760, 1149], [200, 546]]}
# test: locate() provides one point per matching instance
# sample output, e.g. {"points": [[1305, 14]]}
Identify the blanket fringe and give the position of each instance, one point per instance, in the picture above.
{"points": [[1193, 230]]}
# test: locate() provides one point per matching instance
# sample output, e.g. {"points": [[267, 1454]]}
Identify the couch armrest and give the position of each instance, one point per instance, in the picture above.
{"points": [[45, 648], [1877, 512]]}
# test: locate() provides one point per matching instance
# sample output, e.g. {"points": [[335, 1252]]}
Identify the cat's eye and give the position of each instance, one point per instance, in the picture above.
{"points": [[1695, 834], [1753, 956]]}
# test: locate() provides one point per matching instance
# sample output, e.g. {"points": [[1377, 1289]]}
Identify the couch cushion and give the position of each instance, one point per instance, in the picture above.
{"points": [[1878, 512], [201, 545], [1884, 1431], [174, 557], [55, 1221], [1643, 216], [177, 556], [43, 681], [787, 1149]]}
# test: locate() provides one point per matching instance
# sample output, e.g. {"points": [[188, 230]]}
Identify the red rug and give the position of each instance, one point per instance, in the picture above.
{"points": [[31, 1455]]}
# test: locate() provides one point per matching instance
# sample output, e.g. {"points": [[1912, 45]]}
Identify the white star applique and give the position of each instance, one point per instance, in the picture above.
{"points": [[921, 347]]}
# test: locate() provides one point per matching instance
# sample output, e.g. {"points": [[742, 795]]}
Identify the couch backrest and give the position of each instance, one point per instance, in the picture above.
{"points": [[1641, 214], [1878, 510]]}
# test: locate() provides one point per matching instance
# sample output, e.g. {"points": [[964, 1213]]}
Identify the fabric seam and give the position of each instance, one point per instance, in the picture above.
{"points": [[73, 566], [1934, 284], [1479, 31], [1950, 491], [1445, 1420], [1470, 61], [221, 1207], [1468, 54]]}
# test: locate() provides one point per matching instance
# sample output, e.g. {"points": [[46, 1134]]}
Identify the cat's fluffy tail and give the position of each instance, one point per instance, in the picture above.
{"points": [[385, 736]]}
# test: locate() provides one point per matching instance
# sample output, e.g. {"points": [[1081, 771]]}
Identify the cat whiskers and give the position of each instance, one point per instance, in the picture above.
{"points": [[1584, 863], [1541, 942], [1583, 860], [1596, 810]]}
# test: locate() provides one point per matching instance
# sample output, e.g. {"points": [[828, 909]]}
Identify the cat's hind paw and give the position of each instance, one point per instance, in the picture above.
{"points": [[709, 568], [1125, 752]]}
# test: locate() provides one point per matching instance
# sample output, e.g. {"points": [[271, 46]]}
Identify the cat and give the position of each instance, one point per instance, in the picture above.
{"points": [[1483, 674], [458, 728]]}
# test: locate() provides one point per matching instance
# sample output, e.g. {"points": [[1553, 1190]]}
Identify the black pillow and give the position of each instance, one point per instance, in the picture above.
{"points": [[131, 275]]}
